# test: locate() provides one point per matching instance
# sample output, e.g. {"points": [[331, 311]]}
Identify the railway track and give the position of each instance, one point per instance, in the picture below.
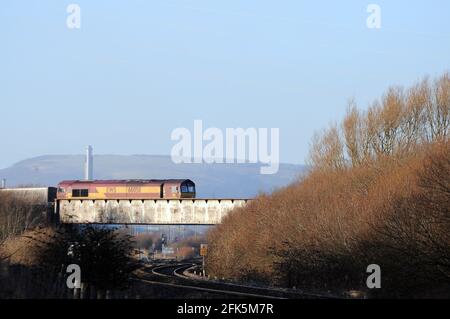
{"points": [[172, 270], [173, 276]]}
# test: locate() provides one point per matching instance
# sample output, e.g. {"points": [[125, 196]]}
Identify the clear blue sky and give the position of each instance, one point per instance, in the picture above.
{"points": [[138, 69]]}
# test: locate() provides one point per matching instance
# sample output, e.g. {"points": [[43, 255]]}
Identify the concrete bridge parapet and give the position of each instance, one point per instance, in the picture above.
{"points": [[148, 212]]}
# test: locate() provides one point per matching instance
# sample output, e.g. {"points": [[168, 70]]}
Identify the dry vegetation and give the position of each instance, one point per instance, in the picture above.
{"points": [[33, 256], [20, 219], [188, 247], [378, 193], [37, 261], [17, 215]]}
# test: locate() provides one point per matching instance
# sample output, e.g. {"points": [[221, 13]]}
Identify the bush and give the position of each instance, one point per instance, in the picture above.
{"points": [[378, 193], [18, 215], [103, 254]]}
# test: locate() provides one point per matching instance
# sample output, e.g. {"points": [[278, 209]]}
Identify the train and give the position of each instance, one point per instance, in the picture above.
{"points": [[47, 198], [133, 189]]}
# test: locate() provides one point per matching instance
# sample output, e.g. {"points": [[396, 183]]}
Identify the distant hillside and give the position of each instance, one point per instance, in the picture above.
{"points": [[213, 180]]}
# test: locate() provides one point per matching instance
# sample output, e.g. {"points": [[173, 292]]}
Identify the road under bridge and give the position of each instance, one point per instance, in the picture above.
{"points": [[147, 212]]}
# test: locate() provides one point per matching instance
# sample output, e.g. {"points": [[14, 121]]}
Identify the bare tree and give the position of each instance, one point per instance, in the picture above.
{"points": [[414, 116], [16, 216], [327, 150], [352, 133], [438, 109]]}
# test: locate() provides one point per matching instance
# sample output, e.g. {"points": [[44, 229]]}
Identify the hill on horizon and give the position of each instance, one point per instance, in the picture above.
{"points": [[212, 180]]}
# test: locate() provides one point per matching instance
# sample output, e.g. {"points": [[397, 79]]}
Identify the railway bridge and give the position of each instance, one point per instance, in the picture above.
{"points": [[192, 211], [159, 211]]}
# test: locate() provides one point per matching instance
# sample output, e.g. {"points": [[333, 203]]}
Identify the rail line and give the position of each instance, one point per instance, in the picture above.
{"points": [[175, 275], [162, 272]]}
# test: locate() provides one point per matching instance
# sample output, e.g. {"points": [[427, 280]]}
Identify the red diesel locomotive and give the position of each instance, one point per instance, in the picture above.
{"points": [[126, 189]]}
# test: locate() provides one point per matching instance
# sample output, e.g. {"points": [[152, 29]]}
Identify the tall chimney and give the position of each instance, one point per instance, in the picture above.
{"points": [[3, 183], [89, 164]]}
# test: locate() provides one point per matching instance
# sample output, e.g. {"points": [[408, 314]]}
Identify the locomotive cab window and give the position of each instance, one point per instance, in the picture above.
{"points": [[80, 192], [188, 189]]}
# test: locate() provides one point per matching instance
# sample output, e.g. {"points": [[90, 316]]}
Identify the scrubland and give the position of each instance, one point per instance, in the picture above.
{"points": [[378, 192]]}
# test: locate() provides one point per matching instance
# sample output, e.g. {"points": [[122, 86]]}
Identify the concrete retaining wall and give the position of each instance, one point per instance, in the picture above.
{"points": [[147, 212]]}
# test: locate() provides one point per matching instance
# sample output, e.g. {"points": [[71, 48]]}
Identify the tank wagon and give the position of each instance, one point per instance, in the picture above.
{"points": [[126, 189]]}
